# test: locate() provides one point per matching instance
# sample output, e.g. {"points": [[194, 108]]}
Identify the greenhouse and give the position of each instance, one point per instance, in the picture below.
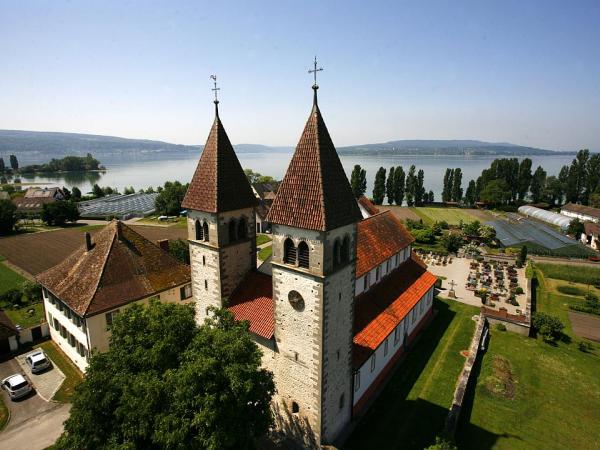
{"points": [[546, 216]]}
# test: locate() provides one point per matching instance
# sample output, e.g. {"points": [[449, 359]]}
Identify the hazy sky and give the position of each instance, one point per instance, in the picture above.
{"points": [[526, 72]]}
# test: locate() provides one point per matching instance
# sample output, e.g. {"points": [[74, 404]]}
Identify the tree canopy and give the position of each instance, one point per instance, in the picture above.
{"points": [[8, 216], [170, 384], [58, 213], [358, 181], [379, 187], [168, 202]]}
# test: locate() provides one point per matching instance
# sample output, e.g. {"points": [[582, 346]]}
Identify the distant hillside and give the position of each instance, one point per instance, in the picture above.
{"points": [[35, 147], [445, 148]]}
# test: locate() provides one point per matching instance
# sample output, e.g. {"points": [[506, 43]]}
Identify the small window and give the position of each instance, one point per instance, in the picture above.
{"points": [[232, 230], [72, 340], [206, 284], [385, 348], [242, 229], [50, 318], [289, 252], [303, 255], [295, 408], [365, 283], [338, 355], [185, 292], [397, 333], [110, 317], [205, 231], [203, 260], [337, 248], [76, 321], [421, 306], [56, 325], [357, 380], [345, 252], [341, 401], [199, 231], [377, 273], [80, 349], [373, 361], [414, 315], [63, 331]]}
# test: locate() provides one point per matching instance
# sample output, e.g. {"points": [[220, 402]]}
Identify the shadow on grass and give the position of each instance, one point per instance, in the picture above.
{"points": [[393, 420]]}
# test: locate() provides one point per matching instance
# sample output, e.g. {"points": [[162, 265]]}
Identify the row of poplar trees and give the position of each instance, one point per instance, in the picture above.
{"points": [[14, 164], [397, 186]]}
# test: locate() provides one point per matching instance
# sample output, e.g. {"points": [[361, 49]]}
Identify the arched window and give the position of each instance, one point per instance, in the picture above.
{"points": [[199, 231], [232, 230], [242, 229], [345, 249], [303, 258], [336, 253], [295, 408], [205, 229], [289, 252]]}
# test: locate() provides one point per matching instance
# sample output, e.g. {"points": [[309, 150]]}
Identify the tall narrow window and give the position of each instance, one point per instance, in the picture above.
{"points": [[289, 252], [345, 249], [357, 380], [303, 255], [205, 231], [336, 253], [373, 362], [385, 348], [232, 230], [242, 229], [199, 231]]}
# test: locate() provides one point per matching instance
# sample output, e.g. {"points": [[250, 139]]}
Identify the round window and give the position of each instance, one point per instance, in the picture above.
{"points": [[296, 300]]}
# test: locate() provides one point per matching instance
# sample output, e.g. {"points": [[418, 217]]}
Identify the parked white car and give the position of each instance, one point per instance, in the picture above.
{"points": [[17, 386], [38, 361]]}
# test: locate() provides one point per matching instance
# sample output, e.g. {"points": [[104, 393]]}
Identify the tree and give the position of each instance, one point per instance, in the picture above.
{"points": [[554, 191], [8, 216], [180, 249], [399, 180], [32, 291], [419, 188], [167, 383], [522, 260], [595, 199], [452, 242], [447, 189], [75, 193], [470, 195], [390, 187], [358, 181], [97, 191], [411, 184], [2, 166], [457, 191], [168, 202], [379, 186], [496, 192], [424, 236], [441, 444], [129, 190], [58, 213], [550, 327], [524, 179], [430, 197], [150, 190], [538, 182], [14, 163], [575, 228]]}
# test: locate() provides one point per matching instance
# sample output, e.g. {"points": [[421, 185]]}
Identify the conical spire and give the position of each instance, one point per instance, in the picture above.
{"points": [[219, 183], [315, 193]]}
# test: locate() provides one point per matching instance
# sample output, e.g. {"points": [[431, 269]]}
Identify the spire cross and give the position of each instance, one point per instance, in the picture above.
{"points": [[215, 89], [314, 72]]}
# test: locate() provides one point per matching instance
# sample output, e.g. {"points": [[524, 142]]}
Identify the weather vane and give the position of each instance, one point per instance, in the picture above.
{"points": [[215, 89], [314, 72]]}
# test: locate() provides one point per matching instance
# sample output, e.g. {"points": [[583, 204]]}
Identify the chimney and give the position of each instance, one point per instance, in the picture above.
{"points": [[88, 241], [163, 244]]}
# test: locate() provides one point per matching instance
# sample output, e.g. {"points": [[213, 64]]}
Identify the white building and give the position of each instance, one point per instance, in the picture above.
{"points": [[581, 212], [87, 290]]}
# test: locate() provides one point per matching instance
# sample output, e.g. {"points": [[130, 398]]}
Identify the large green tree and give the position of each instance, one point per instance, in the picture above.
{"points": [[524, 180], [59, 213], [420, 192], [166, 383], [496, 192], [14, 162], [447, 188], [390, 187], [168, 202], [471, 194], [538, 182], [457, 191], [2, 166], [379, 186], [399, 180], [411, 185], [8, 216], [358, 181]]}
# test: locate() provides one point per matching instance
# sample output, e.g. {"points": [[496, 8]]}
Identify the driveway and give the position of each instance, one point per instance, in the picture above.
{"points": [[34, 422]]}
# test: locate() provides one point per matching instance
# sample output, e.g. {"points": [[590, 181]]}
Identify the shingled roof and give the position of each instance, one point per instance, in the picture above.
{"points": [[379, 237], [219, 183], [252, 300], [315, 193], [122, 266]]}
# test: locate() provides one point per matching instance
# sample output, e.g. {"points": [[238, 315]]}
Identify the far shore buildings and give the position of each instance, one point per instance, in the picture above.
{"points": [[88, 289], [32, 203], [343, 296]]}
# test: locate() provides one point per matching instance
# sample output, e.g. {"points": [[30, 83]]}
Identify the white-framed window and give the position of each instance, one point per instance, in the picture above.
{"points": [[80, 349], [110, 316], [50, 318], [365, 283], [373, 361], [76, 320], [429, 297], [56, 325], [385, 348], [413, 315], [421, 305], [185, 292], [357, 380], [377, 273], [397, 333]]}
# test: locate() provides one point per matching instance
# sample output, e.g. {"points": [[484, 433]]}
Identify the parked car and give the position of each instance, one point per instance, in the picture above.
{"points": [[38, 361], [17, 386]]}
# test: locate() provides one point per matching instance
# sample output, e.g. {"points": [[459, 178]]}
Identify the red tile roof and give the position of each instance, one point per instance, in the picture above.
{"points": [[581, 209], [368, 205], [591, 228], [122, 266], [219, 183], [315, 193], [378, 238], [252, 300], [379, 310]]}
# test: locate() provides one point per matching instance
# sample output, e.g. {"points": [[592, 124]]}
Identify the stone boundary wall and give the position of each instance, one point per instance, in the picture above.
{"points": [[464, 377]]}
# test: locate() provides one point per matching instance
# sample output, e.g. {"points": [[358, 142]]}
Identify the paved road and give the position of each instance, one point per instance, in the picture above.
{"points": [[34, 423]]}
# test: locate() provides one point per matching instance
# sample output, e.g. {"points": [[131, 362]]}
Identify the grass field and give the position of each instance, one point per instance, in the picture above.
{"points": [[9, 279], [262, 239], [531, 394], [265, 253], [576, 273], [180, 222], [72, 374], [413, 406], [451, 215], [22, 317]]}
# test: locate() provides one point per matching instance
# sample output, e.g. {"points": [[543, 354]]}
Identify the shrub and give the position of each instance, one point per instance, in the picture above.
{"points": [[585, 347], [32, 291], [550, 327], [442, 444], [424, 236], [500, 327], [58, 213], [570, 290], [11, 297], [452, 242], [519, 290]]}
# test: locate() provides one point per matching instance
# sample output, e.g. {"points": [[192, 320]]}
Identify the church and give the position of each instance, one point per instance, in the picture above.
{"points": [[342, 297]]}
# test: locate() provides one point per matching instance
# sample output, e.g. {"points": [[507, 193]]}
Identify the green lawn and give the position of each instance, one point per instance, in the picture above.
{"points": [[22, 316], [262, 239], [179, 222], [576, 273], [9, 279], [413, 407], [451, 215], [72, 374], [265, 253], [531, 394]]}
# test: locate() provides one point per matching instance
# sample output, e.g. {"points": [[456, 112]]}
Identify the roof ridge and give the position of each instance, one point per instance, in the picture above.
{"points": [[104, 261], [379, 214]]}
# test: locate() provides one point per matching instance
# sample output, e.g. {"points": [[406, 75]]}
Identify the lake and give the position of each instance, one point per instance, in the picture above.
{"points": [[141, 174]]}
